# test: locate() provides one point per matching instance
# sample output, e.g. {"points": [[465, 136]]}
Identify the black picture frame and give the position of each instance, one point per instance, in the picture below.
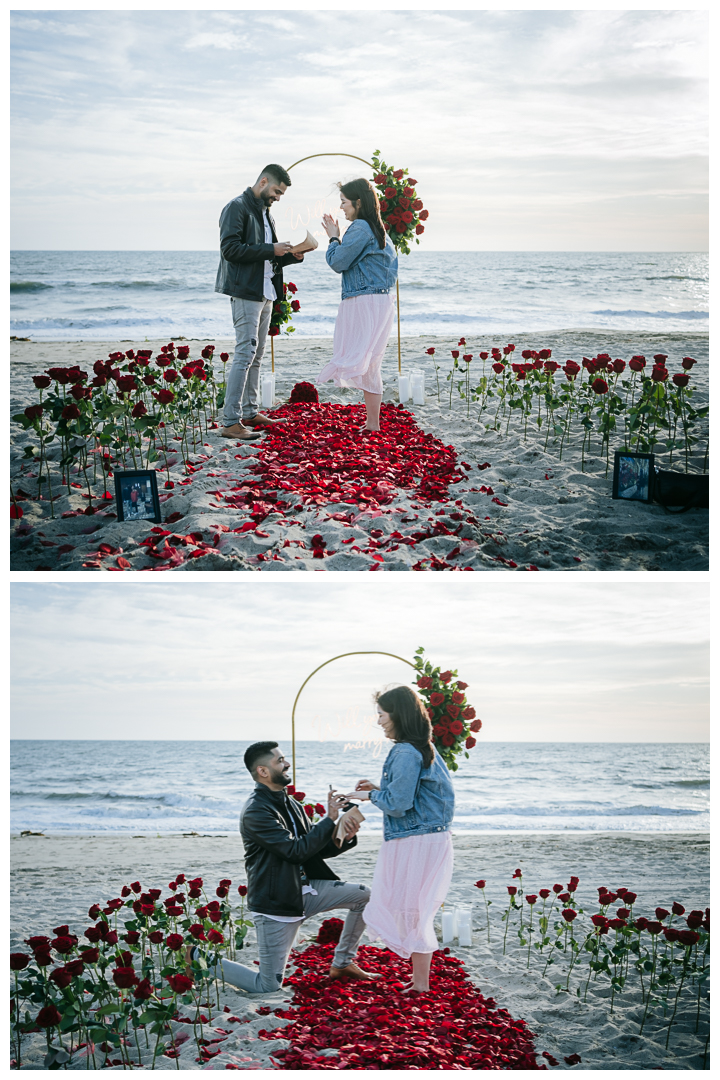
{"points": [[137, 488], [633, 476]]}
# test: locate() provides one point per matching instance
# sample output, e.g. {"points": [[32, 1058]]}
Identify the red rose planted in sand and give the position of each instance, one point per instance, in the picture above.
{"points": [[354, 1022], [115, 975]]}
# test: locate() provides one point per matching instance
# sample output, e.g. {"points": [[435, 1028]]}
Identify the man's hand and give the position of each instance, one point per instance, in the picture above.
{"points": [[335, 804], [282, 249], [351, 827], [299, 255]]}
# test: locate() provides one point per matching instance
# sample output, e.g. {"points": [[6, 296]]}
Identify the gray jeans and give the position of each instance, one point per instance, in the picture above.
{"points": [[275, 939], [251, 319]]}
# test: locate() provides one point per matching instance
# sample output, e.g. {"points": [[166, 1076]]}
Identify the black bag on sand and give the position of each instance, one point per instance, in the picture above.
{"points": [[681, 491]]}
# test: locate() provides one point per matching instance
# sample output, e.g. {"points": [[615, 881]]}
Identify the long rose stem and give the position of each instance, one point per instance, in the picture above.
{"points": [[529, 936], [549, 955], [597, 935], [18, 1033], [542, 916], [677, 996], [157, 1042], [507, 922], [614, 985], [642, 983], [501, 401], [697, 1014], [650, 987], [572, 958]]}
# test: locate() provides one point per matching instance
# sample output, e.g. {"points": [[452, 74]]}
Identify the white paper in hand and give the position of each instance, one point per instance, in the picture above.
{"points": [[308, 244], [340, 831]]}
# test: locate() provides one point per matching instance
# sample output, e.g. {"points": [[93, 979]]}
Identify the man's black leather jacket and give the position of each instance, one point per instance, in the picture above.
{"points": [[243, 250], [275, 858]]}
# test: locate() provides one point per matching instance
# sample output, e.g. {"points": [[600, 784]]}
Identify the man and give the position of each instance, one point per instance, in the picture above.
{"points": [[288, 880], [250, 273]]}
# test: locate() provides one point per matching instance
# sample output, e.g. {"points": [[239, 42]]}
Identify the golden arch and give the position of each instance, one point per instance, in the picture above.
{"points": [[397, 282], [362, 652]]}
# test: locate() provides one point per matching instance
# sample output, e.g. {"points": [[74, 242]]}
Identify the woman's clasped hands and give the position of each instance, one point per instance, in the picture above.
{"points": [[330, 225]]}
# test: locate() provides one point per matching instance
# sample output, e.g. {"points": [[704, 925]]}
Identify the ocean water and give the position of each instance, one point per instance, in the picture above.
{"points": [[131, 295], [145, 787]]}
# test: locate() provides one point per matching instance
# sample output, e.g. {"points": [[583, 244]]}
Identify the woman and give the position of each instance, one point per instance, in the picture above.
{"points": [[368, 264], [415, 862]]}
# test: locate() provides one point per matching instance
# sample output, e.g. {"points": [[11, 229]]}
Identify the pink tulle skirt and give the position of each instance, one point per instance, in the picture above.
{"points": [[411, 881], [362, 329]]}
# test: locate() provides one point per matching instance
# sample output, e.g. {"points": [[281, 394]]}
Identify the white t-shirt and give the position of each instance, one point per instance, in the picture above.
{"points": [[287, 918], [268, 287]]}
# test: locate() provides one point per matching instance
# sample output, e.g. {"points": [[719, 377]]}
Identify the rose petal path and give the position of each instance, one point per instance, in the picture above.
{"points": [[373, 1025]]}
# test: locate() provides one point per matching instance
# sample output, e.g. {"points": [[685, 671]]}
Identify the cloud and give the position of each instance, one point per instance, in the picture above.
{"points": [[569, 660], [218, 40], [102, 107]]}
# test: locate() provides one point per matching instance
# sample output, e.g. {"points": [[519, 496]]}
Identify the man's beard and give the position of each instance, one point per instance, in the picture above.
{"points": [[281, 778], [267, 199]]}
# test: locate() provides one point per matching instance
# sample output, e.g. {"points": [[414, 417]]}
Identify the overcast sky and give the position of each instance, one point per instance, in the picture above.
{"points": [[526, 130], [548, 657]]}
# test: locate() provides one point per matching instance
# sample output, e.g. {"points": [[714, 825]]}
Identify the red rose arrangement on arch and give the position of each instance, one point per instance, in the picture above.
{"points": [[403, 214], [453, 719]]}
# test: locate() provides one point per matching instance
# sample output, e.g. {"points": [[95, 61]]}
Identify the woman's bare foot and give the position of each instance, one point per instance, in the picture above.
{"points": [[415, 989], [421, 972], [372, 411]]}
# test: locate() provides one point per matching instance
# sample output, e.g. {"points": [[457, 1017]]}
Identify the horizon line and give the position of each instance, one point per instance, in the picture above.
{"points": [[540, 742], [443, 251]]}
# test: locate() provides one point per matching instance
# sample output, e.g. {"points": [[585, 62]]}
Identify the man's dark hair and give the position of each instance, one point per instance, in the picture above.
{"points": [[276, 173], [258, 754]]}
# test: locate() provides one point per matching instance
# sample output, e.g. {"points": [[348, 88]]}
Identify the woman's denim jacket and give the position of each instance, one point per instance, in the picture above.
{"points": [[364, 265], [414, 800]]}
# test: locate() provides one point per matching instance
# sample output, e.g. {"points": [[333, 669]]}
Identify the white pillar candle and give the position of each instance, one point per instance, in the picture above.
{"points": [[268, 390], [404, 388], [418, 387], [448, 926], [464, 927]]}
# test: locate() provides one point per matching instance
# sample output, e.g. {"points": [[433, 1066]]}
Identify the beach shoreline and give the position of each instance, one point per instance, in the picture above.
{"points": [[544, 513], [56, 879], [376, 834]]}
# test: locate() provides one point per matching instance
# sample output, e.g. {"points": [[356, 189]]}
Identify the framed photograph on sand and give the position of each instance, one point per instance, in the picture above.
{"points": [[633, 476], [136, 495]]}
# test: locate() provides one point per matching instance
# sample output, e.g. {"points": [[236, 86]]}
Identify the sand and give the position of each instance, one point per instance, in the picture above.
{"points": [[557, 517], [55, 879]]}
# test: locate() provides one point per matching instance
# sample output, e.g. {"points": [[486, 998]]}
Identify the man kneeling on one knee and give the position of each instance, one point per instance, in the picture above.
{"points": [[288, 880]]}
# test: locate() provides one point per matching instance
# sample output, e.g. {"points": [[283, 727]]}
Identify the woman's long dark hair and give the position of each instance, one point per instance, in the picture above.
{"points": [[410, 719], [369, 205]]}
